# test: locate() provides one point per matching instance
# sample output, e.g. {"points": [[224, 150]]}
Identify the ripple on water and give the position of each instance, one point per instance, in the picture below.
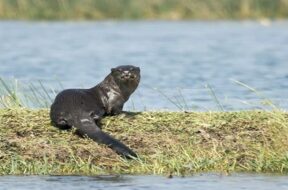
{"points": [[203, 181], [172, 56]]}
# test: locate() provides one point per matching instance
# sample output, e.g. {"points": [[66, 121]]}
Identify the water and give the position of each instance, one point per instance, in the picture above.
{"points": [[180, 61], [183, 64], [199, 182]]}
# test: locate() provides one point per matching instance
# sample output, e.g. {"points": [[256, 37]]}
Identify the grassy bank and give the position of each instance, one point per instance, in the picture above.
{"points": [[139, 9], [167, 142]]}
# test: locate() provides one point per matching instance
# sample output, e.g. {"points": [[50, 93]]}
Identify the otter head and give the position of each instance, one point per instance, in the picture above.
{"points": [[126, 73]]}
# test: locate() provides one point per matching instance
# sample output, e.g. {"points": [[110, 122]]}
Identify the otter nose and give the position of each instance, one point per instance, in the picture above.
{"points": [[126, 73]]}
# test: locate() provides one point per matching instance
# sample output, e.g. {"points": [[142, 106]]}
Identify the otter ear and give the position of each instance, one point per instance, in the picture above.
{"points": [[113, 70]]}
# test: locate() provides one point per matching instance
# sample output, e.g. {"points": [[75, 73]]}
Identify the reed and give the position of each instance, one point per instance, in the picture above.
{"points": [[138, 9], [14, 94]]}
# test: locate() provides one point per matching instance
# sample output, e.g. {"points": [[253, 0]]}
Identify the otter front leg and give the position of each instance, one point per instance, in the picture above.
{"points": [[115, 107], [114, 111], [117, 110]]}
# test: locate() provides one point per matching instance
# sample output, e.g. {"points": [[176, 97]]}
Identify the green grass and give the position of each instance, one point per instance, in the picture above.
{"points": [[176, 143], [15, 94], [140, 9]]}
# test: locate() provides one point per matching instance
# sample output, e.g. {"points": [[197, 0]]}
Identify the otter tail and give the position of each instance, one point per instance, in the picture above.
{"points": [[88, 128]]}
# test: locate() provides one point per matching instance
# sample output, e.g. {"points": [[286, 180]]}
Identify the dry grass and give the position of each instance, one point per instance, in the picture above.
{"points": [[167, 142]]}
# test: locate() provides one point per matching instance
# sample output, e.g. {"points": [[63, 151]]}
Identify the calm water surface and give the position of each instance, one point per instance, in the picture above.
{"points": [[183, 63], [200, 182]]}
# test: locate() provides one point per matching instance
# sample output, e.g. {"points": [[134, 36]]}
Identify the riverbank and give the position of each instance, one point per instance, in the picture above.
{"points": [[167, 142], [137, 9]]}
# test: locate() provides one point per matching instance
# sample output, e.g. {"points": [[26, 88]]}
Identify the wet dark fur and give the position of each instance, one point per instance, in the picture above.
{"points": [[83, 108]]}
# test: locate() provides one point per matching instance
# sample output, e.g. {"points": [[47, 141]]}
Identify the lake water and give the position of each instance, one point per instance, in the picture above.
{"points": [[198, 182], [190, 65], [185, 65]]}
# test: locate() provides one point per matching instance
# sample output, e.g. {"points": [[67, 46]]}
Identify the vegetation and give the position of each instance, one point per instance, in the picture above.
{"points": [[139, 9], [177, 143], [14, 94], [168, 143]]}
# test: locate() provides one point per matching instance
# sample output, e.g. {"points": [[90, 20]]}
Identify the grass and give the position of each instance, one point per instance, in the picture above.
{"points": [[14, 94], [176, 143], [139, 9]]}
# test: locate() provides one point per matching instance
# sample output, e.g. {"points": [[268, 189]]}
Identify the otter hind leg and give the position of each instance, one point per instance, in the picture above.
{"points": [[62, 124]]}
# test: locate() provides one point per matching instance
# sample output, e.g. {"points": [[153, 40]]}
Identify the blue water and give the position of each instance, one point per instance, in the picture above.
{"points": [[183, 63], [198, 182]]}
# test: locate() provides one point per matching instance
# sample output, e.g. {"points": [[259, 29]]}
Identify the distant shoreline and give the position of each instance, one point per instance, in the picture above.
{"points": [[143, 10]]}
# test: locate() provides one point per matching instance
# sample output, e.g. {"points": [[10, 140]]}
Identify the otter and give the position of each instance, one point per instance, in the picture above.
{"points": [[84, 108]]}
